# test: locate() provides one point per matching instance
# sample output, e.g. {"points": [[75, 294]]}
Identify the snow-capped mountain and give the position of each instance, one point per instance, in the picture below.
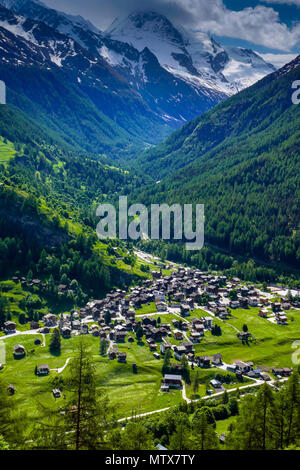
{"points": [[195, 58], [172, 99], [71, 91], [58, 20], [36, 42], [175, 75], [245, 67]]}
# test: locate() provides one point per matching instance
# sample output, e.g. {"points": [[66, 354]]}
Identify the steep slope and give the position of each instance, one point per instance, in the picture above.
{"points": [[241, 160], [171, 99], [48, 199], [177, 75], [71, 91], [196, 59]]}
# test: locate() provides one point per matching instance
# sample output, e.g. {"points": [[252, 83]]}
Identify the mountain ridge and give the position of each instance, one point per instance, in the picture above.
{"points": [[241, 160], [190, 55], [173, 93]]}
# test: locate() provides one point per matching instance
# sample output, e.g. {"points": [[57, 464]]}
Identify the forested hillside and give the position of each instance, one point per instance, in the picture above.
{"points": [[48, 198], [71, 91], [242, 161]]}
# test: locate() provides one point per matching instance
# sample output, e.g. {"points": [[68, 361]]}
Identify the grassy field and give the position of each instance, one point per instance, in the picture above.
{"points": [[137, 393], [14, 293], [146, 308], [129, 392], [197, 313], [222, 426], [205, 376], [272, 345], [7, 151]]}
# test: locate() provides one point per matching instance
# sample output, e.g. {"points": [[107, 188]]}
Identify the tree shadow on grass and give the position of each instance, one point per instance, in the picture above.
{"points": [[55, 353], [19, 358]]}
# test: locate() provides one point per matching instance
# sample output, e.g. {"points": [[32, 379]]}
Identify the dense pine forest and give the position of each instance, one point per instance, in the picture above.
{"points": [[49, 196], [241, 160]]}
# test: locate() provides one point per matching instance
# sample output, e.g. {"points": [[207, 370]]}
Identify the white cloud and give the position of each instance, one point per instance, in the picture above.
{"points": [[260, 25], [278, 60], [286, 2]]}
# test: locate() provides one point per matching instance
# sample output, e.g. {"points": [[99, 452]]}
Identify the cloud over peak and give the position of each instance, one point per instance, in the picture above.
{"points": [[260, 25]]}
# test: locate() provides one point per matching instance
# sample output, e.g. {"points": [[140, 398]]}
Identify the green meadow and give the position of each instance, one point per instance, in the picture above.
{"points": [[132, 393], [7, 151], [271, 345], [128, 392]]}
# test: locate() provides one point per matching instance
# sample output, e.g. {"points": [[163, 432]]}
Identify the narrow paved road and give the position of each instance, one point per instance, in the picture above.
{"points": [[28, 332], [206, 397], [61, 369], [223, 321]]}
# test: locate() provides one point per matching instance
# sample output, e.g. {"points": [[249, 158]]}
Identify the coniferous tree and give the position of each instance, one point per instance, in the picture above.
{"points": [[268, 420], [50, 433], [3, 444], [134, 437], [264, 415], [185, 370], [196, 383], [204, 436], [87, 412], [103, 346], [55, 342], [6, 409], [233, 406], [11, 421], [167, 360], [242, 433], [225, 398], [139, 332], [180, 439], [292, 409]]}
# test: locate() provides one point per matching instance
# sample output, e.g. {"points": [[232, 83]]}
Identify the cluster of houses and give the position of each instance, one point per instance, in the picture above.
{"points": [[68, 324], [247, 369], [181, 289], [239, 368], [277, 309], [114, 318], [62, 289]]}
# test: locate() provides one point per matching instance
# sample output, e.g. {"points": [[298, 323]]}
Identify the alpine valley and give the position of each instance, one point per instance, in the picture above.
{"points": [[96, 332], [118, 90]]}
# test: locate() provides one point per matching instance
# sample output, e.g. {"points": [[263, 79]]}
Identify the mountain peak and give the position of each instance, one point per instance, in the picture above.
{"points": [[145, 22], [37, 10], [141, 17], [18, 3], [294, 64]]}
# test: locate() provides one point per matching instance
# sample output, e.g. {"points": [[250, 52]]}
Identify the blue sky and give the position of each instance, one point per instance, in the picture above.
{"points": [[270, 27], [289, 13]]}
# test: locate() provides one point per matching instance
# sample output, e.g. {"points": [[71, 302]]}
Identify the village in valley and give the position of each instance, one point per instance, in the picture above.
{"points": [[191, 334]]}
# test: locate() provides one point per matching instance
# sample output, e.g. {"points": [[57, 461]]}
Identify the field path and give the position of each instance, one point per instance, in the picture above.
{"points": [[28, 332], [206, 397], [61, 369]]}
